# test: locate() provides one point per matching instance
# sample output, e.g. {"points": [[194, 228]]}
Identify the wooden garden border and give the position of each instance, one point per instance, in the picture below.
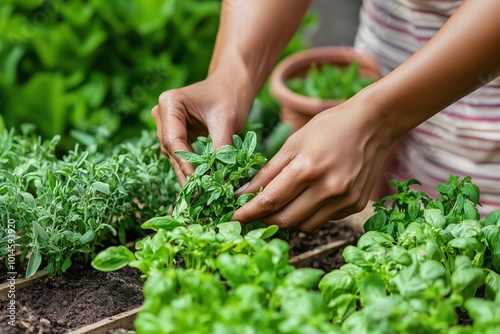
{"points": [[22, 282], [123, 320]]}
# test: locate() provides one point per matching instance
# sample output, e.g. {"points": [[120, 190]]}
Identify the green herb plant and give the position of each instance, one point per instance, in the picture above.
{"points": [[65, 209], [327, 81], [200, 266], [419, 261], [205, 203]]}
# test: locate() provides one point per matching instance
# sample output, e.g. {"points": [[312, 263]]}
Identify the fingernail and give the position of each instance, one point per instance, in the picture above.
{"points": [[242, 188]]}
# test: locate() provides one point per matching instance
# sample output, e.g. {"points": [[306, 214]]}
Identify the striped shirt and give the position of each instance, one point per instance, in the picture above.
{"points": [[463, 139]]}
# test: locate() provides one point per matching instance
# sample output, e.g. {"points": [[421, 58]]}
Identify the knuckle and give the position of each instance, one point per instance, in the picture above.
{"points": [[361, 204], [338, 187], [268, 203], [168, 96], [286, 222], [306, 167], [352, 199]]}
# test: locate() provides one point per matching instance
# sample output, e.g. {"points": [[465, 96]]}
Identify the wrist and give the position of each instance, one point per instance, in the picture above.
{"points": [[234, 85], [231, 67], [376, 118]]}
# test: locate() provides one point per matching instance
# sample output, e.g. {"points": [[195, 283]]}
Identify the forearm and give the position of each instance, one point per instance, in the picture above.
{"points": [[252, 34], [461, 57]]}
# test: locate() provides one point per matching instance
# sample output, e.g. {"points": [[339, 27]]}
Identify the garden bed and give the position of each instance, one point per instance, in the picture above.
{"points": [[62, 304], [90, 301]]}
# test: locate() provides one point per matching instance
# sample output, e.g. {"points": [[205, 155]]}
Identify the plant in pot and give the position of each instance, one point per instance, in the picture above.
{"points": [[308, 82]]}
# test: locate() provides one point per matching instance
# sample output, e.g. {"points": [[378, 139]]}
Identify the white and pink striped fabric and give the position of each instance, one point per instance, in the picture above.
{"points": [[463, 139]]}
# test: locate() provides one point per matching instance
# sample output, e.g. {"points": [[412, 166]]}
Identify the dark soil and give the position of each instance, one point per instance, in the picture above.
{"points": [[61, 304], [332, 231]]}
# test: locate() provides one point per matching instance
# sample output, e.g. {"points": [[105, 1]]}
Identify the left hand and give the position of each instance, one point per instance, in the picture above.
{"points": [[326, 170]]}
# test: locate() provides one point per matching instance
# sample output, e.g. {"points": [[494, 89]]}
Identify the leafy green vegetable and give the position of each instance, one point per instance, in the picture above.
{"points": [[263, 297], [419, 261]]}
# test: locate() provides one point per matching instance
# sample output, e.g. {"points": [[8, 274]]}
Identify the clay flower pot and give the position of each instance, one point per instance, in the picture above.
{"points": [[296, 109]]}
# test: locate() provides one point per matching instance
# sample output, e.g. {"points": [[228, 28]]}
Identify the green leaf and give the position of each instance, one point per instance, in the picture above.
{"points": [[372, 289], [235, 269], [237, 142], [413, 210], [40, 232], [262, 233], [102, 187], [485, 314], [250, 142], [355, 256], [34, 263], [470, 211], [372, 239], [87, 237], [465, 279], [431, 271], [435, 218], [113, 258], [66, 264], [227, 155], [244, 199], [492, 236], [167, 223], [304, 278], [467, 244], [472, 192], [28, 199], [201, 169], [492, 284], [190, 156], [492, 219], [336, 283], [376, 222], [230, 230], [465, 229]]}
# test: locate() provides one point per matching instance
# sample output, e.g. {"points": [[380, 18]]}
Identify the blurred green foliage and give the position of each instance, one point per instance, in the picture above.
{"points": [[99, 66]]}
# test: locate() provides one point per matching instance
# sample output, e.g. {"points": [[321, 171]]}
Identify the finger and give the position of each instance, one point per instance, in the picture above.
{"points": [[181, 178], [267, 173], [159, 134], [296, 211], [221, 133], [156, 117], [328, 212], [337, 210], [174, 137], [285, 187], [154, 114]]}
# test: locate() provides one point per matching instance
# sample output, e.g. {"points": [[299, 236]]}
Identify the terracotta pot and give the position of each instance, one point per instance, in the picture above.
{"points": [[297, 109]]}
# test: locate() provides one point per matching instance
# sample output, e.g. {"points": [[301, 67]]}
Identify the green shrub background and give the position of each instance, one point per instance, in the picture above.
{"points": [[98, 66]]}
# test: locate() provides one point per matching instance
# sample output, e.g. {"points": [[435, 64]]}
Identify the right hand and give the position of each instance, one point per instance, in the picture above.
{"points": [[218, 106]]}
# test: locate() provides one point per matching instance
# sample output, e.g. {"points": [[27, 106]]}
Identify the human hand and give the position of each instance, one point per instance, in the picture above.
{"points": [[326, 170], [217, 106]]}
